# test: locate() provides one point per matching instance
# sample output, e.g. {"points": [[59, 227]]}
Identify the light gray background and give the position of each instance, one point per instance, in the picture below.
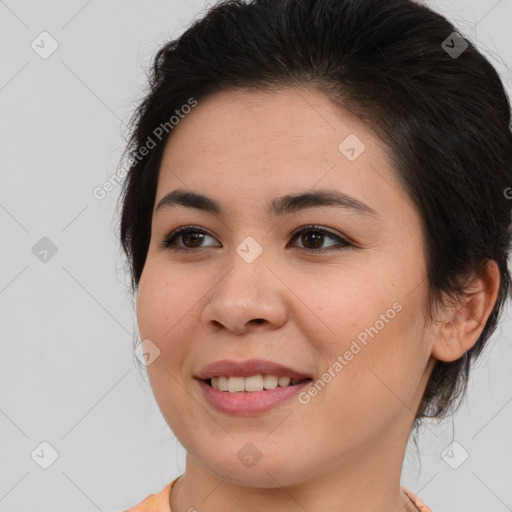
{"points": [[67, 373]]}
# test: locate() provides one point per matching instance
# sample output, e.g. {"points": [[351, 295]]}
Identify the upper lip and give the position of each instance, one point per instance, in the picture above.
{"points": [[231, 368]]}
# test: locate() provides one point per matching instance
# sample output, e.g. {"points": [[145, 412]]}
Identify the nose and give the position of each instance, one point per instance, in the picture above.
{"points": [[248, 296]]}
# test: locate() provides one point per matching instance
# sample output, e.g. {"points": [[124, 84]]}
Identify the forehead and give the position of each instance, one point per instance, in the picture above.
{"points": [[245, 143], [283, 120]]}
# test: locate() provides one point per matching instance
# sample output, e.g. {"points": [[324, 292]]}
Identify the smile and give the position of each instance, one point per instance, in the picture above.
{"points": [[249, 403]]}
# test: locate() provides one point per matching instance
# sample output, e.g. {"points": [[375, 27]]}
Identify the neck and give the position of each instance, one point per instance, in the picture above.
{"points": [[365, 480]]}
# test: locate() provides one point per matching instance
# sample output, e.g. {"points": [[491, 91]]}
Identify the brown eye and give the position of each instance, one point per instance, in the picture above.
{"points": [[313, 237], [191, 236]]}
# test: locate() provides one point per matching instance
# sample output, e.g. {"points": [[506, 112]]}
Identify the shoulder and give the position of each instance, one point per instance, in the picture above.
{"points": [[158, 502], [420, 504]]}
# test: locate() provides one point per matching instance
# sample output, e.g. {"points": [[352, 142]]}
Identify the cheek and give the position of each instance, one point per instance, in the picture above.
{"points": [[351, 304], [162, 317], [146, 301], [167, 314], [368, 335], [163, 304]]}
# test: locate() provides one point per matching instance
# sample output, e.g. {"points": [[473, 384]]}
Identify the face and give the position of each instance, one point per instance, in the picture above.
{"points": [[344, 305]]}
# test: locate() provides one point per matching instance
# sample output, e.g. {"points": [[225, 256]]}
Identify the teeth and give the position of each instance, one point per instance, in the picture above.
{"points": [[235, 384], [250, 384], [284, 381], [270, 381], [222, 383], [253, 383]]}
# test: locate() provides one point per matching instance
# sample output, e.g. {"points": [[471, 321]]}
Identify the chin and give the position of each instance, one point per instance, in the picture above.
{"points": [[270, 471]]}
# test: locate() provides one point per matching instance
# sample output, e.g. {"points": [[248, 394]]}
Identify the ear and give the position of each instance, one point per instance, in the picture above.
{"points": [[462, 325]]}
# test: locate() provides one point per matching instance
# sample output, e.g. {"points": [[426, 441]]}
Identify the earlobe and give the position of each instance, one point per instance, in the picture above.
{"points": [[464, 324]]}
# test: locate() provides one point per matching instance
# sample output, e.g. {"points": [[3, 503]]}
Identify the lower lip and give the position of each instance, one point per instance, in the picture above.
{"points": [[249, 403]]}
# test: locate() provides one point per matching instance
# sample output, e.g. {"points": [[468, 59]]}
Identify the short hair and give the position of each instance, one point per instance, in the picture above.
{"points": [[443, 116]]}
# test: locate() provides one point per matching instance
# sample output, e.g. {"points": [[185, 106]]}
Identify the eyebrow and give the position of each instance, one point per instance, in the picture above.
{"points": [[277, 207]]}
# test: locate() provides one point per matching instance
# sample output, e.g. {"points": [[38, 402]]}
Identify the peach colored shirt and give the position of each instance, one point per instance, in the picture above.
{"points": [[160, 502]]}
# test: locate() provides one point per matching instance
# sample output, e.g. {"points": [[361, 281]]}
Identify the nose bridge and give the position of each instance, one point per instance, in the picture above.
{"points": [[247, 291]]}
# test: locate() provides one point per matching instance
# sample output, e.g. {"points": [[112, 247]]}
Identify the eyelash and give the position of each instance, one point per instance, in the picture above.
{"points": [[169, 240]]}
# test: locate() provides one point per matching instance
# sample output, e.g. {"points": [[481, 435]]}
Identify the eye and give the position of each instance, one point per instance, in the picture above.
{"points": [[194, 235], [319, 234]]}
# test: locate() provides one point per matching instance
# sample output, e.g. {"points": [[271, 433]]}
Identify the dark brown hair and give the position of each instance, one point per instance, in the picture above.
{"points": [[444, 117]]}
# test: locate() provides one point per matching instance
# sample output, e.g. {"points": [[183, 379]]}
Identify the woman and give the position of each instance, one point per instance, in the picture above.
{"points": [[317, 224]]}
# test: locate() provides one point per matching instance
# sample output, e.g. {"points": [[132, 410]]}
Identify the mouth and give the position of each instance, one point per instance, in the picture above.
{"points": [[249, 387], [250, 396]]}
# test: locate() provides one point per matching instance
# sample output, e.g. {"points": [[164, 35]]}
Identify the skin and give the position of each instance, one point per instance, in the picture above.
{"points": [[343, 451]]}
